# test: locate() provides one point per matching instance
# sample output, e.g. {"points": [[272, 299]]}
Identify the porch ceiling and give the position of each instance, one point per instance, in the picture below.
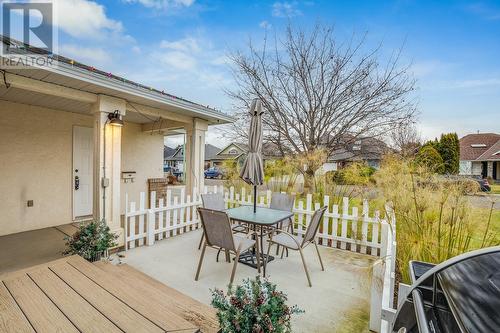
{"points": [[16, 95], [22, 96]]}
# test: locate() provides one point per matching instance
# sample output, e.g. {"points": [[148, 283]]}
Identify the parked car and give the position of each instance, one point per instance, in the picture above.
{"points": [[485, 186], [214, 172]]}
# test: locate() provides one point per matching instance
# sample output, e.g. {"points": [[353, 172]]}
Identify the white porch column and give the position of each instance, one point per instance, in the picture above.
{"points": [[195, 154], [489, 169], [107, 160]]}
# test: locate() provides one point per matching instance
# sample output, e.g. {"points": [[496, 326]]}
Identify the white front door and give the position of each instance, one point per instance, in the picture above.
{"points": [[83, 171]]}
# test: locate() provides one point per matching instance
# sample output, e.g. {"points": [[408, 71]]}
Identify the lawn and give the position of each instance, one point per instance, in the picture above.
{"points": [[495, 188]]}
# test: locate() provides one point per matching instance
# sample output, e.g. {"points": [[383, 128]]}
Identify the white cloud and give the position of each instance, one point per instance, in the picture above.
{"points": [[91, 55], [188, 44], [265, 25], [189, 67], [220, 60], [476, 83], [176, 60], [163, 4], [424, 68], [85, 19], [286, 9], [179, 54]]}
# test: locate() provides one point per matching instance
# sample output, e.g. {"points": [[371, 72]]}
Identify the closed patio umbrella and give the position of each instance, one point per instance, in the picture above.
{"points": [[253, 170]]}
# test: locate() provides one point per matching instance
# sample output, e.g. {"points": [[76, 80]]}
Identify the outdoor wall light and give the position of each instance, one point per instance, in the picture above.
{"points": [[115, 119]]}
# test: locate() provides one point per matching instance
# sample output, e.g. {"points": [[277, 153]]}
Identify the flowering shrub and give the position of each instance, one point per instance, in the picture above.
{"points": [[91, 240], [253, 307]]}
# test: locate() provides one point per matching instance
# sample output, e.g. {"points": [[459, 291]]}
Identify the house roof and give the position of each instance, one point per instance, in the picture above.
{"points": [[86, 78], [269, 150], [491, 154], [178, 153], [168, 151], [477, 147], [226, 157], [210, 151], [360, 149]]}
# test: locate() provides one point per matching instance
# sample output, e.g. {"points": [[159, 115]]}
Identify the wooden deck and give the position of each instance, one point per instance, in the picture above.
{"points": [[73, 295]]}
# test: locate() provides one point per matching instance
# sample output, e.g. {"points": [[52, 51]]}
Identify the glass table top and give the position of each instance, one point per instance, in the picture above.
{"points": [[263, 216]]}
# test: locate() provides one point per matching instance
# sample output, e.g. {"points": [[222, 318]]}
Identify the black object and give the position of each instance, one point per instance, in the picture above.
{"points": [[255, 198], [460, 295]]}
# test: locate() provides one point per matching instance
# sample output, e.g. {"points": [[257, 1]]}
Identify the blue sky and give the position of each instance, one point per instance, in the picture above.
{"points": [[182, 45]]}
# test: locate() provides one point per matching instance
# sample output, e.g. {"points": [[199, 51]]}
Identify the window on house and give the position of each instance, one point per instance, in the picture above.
{"points": [[357, 145], [232, 151]]}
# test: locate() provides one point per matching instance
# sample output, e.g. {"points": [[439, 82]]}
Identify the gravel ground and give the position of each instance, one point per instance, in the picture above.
{"points": [[484, 201]]}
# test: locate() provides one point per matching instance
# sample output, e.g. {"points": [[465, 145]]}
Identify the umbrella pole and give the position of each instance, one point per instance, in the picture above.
{"points": [[255, 198]]}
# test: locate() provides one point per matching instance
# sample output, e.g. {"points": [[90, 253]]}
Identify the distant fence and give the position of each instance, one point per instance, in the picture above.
{"points": [[343, 227]]}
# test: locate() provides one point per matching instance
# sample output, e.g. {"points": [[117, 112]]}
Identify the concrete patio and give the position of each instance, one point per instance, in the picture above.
{"points": [[337, 302]]}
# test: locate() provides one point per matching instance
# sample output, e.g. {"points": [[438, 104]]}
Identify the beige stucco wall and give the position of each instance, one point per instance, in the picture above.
{"points": [[35, 164], [142, 152]]}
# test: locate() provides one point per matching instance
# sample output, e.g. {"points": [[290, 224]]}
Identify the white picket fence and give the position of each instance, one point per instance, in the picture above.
{"points": [[343, 227]]}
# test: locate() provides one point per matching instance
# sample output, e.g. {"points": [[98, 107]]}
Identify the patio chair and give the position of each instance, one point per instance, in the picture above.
{"points": [[215, 201], [284, 202], [292, 242], [219, 235]]}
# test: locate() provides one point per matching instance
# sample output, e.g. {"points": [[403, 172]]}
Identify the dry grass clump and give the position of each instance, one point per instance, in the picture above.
{"points": [[434, 219]]}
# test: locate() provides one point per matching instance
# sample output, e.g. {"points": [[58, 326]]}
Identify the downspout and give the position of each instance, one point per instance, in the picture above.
{"points": [[103, 180]]}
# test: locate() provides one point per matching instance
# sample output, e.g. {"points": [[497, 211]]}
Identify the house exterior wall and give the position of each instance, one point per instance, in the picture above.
{"points": [[36, 164], [143, 153], [36, 153], [477, 168], [330, 166], [465, 168], [489, 169]]}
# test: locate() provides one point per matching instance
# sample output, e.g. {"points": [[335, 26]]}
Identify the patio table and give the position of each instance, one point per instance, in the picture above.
{"points": [[263, 218]]}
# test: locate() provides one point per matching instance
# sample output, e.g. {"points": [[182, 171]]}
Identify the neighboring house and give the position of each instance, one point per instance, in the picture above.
{"points": [[167, 152], [232, 152], [368, 150], [176, 157], [75, 140], [236, 151], [480, 155]]}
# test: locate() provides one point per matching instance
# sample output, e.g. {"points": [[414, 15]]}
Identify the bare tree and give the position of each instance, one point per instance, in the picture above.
{"points": [[317, 92], [406, 139]]}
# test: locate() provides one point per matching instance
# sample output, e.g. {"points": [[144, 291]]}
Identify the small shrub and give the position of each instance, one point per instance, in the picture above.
{"points": [[91, 240], [255, 306], [354, 174], [429, 157]]}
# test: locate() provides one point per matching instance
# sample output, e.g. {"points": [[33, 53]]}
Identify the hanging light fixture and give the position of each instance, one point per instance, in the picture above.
{"points": [[115, 119]]}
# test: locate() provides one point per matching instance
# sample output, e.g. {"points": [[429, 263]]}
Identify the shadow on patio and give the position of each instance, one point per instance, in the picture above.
{"points": [[339, 300]]}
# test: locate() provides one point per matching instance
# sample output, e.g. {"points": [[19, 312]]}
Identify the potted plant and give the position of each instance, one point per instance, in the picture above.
{"points": [[91, 241], [253, 307]]}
